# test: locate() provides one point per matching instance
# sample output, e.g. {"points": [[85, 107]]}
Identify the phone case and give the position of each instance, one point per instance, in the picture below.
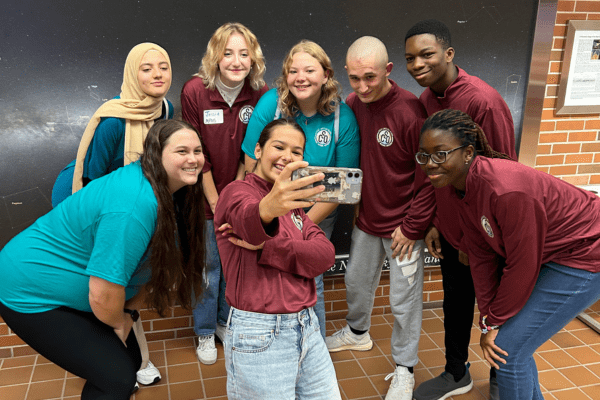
{"points": [[342, 185]]}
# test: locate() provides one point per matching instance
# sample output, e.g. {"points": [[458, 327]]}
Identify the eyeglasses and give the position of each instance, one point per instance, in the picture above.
{"points": [[439, 157]]}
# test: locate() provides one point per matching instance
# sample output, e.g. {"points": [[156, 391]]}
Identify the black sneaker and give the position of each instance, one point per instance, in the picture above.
{"points": [[443, 386]]}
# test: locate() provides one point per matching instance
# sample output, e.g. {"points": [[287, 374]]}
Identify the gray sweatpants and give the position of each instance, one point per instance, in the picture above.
{"points": [[367, 253]]}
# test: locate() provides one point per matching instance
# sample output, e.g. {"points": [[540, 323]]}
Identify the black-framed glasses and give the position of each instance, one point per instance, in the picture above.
{"points": [[439, 157]]}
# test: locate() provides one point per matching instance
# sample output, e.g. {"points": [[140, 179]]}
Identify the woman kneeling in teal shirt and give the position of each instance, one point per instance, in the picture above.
{"points": [[73, 281]]}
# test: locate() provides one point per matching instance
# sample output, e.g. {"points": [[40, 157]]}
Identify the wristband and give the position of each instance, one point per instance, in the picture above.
{"points": [[487, 328], [134, 314]]}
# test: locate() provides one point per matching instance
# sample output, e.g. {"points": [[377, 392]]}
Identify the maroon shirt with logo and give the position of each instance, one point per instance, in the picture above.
{"points": [[222, 128], [394, 191], [488, 109], [529, 220], [280, 277]]}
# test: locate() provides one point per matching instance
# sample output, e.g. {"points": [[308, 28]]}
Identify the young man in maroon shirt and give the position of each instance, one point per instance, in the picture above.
{"points": [[429, 60], [396, 207]]}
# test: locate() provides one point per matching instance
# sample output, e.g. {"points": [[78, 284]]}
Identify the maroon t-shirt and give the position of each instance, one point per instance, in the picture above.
{"points": [[395, 192], [528, 221], [222, 128], [488, 109], [280, 277]]}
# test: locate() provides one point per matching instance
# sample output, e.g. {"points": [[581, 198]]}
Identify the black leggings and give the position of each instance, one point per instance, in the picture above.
{"points": [[81, 344]]}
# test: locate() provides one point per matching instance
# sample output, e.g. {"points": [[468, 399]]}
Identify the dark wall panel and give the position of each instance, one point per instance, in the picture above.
{"points": [[59, 60]]}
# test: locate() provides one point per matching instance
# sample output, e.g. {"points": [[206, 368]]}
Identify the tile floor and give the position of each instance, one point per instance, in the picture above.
{"points": [[569, 366]]}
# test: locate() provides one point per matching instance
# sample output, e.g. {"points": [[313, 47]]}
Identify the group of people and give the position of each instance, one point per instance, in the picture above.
{"points": [[203, 212]]}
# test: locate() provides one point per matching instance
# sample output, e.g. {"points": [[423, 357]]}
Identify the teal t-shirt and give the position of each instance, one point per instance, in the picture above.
{"points": [[103, 230], [321, 148]]}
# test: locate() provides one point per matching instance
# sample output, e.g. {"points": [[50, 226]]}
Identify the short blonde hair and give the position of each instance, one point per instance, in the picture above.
{"points": [[215, 51], [331, 91]]}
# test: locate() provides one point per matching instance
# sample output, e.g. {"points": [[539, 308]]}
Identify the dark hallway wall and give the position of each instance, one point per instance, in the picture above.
{"points": [[59, 60]]}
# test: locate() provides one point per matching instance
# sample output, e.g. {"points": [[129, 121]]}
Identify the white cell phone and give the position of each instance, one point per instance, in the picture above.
{"points": [[342, 185]]}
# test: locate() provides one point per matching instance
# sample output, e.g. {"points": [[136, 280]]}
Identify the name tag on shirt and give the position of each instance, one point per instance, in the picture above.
{"points": [[212, 117]]}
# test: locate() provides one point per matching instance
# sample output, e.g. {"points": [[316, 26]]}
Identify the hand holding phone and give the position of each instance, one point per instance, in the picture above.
{"points": [[342, 185]]}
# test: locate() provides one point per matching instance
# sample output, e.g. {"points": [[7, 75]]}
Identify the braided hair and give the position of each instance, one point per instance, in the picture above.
{"points": [[462, 127]]}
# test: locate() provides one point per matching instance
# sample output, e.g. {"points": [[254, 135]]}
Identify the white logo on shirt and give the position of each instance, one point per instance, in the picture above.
{"points": [[323, 137], [297, 221], [485, 223], [385, 137], [246, 113]]}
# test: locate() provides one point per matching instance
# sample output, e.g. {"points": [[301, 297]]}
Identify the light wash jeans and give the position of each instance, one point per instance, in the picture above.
{"points": [[560, 293], [211, 307], [277, 357]]}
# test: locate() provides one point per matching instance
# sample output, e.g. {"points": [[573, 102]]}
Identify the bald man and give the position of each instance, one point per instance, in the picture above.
{"points": [[396, 208]]}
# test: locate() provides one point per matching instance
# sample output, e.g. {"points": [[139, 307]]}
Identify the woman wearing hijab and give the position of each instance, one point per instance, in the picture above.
{"points": [[116, 132], [114, 137]]}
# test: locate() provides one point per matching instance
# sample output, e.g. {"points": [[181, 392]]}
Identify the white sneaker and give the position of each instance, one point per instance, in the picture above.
{"points": [[206, 351], [220, 332], [148, 375], [402, 385], [344, 339]]}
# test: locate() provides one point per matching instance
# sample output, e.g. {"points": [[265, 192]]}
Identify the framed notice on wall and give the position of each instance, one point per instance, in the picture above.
{"points": [[579, 90]]}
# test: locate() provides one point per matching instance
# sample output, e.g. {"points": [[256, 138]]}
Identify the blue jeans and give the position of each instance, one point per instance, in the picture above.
{"points": [[211, 308], [560, 293], [277, 357]]}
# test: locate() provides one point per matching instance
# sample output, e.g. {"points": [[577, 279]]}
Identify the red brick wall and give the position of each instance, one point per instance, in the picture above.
{"points": [[335, 293], [178, 322], [569, 146]]}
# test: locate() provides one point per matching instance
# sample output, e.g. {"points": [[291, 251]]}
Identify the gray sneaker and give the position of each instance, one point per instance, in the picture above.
{"points": [[494, 391], [344, 339], [443, 386]]}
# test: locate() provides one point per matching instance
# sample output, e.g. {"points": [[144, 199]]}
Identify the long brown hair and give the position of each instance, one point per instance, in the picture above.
{"points": [[177, 247]]}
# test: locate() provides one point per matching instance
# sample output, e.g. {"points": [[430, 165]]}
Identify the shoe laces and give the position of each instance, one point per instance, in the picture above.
{"points": [[391, 375], [395, 382], [206, 342]]}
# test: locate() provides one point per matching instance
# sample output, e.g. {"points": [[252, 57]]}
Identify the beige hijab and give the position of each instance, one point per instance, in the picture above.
{"points": [[137, 108]]}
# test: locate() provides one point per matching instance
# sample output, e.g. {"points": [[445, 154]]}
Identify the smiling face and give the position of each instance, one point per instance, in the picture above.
{"points": [[369, 77], [305, 78], [285, 145], [429, 63], [454, 170], [236, 62], [154, 74], [182, 159]]}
